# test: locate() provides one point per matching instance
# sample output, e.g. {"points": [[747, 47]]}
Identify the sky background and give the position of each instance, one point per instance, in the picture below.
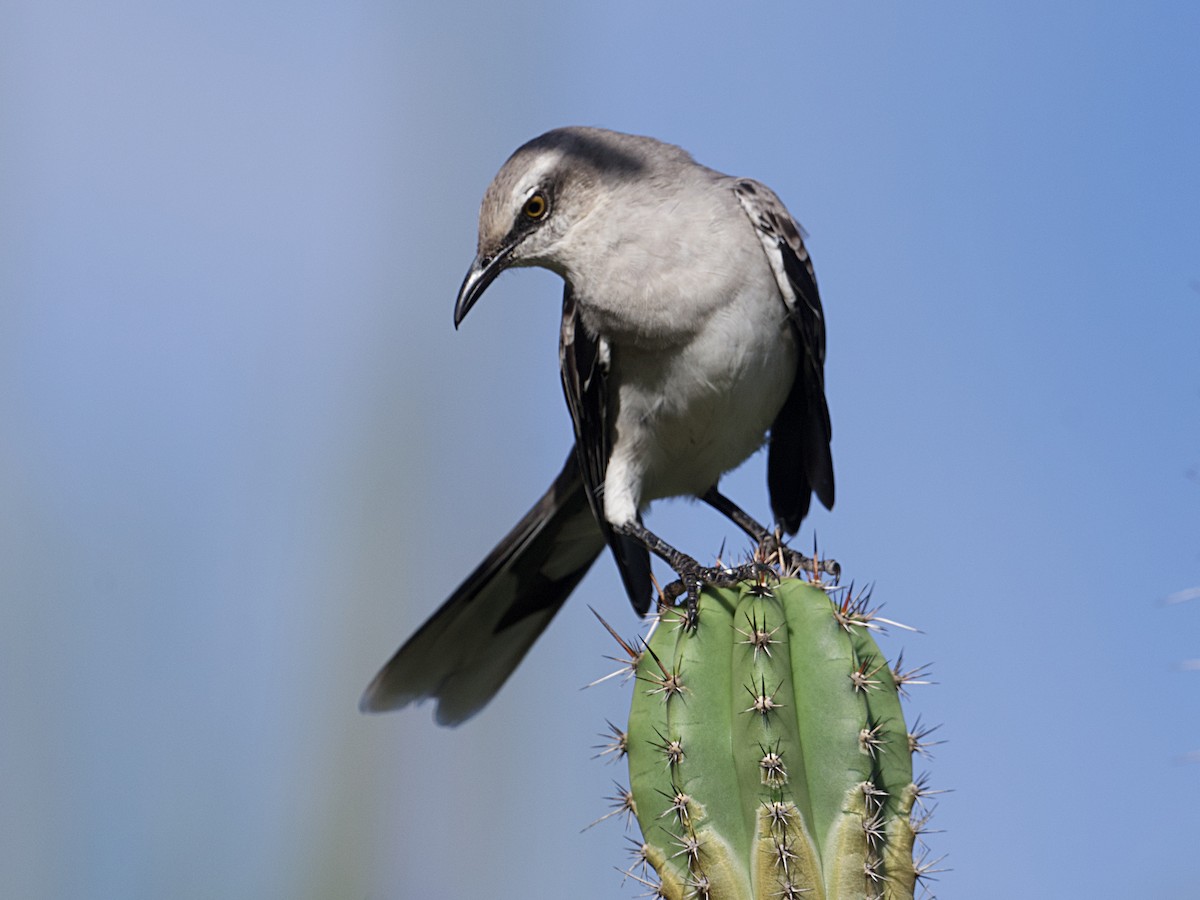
{"points": [[244, 452]]}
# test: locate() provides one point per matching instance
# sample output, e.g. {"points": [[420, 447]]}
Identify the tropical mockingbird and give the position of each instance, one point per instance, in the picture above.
{"points": [[691, 328]]}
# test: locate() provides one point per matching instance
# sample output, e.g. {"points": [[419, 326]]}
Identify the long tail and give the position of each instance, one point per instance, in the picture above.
{"points": [[467, 649]]}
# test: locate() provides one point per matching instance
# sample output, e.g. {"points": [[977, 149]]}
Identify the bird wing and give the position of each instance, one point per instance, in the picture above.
{"points": [[584, 362], [798, 460]]}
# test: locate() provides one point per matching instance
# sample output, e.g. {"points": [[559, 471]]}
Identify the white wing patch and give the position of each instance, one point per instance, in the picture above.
{"points": [[774, 225]]}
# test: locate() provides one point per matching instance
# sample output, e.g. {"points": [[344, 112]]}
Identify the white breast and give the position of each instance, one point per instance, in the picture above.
{"points": [[688, 414]]}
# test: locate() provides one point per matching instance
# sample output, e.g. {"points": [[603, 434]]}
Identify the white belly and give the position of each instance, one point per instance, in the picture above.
{"points": [[688, 414]]}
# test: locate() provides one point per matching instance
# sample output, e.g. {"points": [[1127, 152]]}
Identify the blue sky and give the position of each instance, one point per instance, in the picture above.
{"points": [[245, 453]]}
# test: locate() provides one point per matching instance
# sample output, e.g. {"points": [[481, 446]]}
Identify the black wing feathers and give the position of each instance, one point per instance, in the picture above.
{"points": [[585, 384], [799, 462]]}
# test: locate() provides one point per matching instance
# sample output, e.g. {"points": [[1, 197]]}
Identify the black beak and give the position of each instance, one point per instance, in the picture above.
{"points": [[483, 272]]}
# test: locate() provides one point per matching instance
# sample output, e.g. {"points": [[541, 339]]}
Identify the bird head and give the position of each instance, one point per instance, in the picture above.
{"points": [[539, 196]]}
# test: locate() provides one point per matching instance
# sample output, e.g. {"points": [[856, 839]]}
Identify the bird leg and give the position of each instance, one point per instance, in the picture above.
{"points": [[770, 543], [693, 577]]}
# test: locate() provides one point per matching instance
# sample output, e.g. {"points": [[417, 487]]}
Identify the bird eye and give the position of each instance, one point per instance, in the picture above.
{"points": [[535, 207]]}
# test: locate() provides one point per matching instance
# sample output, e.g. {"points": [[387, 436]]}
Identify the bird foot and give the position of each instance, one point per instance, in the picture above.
{"points": [[694, 578], [789, 563]]}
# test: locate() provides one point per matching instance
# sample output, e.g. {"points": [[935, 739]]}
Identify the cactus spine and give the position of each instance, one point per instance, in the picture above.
{"points": [[768, 754]]}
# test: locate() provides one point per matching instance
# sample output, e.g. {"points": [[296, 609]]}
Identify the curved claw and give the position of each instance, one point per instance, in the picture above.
{"points": [[694, 578], [789, 562]]}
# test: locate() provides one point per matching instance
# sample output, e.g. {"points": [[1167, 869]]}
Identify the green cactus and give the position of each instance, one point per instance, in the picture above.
{"points": [[768, 755]]}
